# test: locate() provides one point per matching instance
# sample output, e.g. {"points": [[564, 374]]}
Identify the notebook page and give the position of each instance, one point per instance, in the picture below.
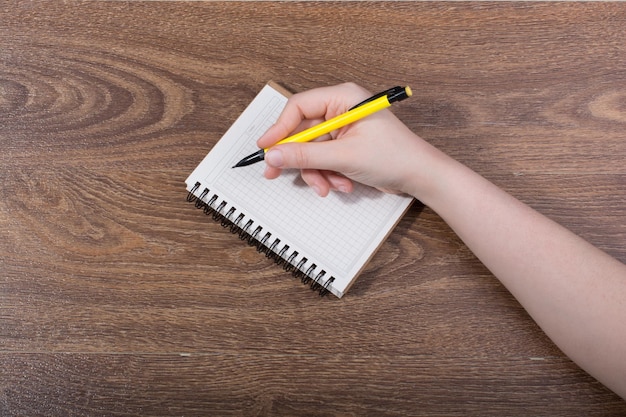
{"points": [[338, 233]]}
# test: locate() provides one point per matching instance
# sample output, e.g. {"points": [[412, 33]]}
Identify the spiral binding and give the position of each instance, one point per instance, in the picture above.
{"points": [[259, 239]]}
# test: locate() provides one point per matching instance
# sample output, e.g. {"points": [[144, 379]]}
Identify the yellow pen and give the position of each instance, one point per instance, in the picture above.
{"points": [[363, 109]]}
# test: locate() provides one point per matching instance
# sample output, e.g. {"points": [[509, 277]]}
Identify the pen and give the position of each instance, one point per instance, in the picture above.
{"points": [[363, 109]]}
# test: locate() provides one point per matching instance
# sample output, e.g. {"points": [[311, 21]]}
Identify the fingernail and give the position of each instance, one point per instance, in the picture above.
{"points": [[274, 157], [342, 188], [317, 190]]}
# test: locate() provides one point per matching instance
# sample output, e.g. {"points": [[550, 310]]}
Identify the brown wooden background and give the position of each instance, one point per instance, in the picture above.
{"points": [[119, 298]]}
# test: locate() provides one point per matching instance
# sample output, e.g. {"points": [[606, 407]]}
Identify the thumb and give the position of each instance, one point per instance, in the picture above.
{"points": [[313, 155]]}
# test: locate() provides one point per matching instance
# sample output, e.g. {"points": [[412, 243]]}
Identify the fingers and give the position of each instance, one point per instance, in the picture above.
{"points": [[338, 182], [317, 181], [313, 106], [271, 173], [329, 155], [318, 162], [322, 182]]}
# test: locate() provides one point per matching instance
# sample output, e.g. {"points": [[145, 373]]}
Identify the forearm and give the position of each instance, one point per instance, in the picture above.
{"points": [[574, 291]]}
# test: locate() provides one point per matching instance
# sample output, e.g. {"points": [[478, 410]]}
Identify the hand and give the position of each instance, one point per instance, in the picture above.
{"points": [[378, 150]]}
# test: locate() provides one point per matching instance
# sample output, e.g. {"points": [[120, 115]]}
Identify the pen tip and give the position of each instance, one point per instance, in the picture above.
{"points": [[251, 159]]}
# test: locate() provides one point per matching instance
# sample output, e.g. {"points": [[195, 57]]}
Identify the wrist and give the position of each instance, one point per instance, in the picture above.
{"points": [[431, 174], [451, 188]]}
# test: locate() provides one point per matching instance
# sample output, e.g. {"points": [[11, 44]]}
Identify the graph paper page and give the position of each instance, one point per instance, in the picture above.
{"points": [[338, 233]]}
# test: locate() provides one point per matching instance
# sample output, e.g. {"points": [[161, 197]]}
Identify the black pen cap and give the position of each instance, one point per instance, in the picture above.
{"points": [[398, 93], [393, 94]]}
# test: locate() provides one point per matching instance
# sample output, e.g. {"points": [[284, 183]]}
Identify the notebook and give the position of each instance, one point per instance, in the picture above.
{"points": [[325, 242]]}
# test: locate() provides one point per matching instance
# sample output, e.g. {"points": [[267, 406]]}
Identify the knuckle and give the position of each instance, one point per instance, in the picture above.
{"points": [[300, 157]]}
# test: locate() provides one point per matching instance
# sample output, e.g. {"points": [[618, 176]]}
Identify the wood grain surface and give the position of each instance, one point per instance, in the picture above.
{"points": [[119, 298]]}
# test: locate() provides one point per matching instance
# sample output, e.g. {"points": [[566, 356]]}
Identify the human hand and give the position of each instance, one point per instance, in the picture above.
{"points": [[378, 150]]}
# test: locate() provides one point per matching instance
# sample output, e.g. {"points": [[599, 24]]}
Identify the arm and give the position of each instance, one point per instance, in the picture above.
{"points": [[574, 291]]}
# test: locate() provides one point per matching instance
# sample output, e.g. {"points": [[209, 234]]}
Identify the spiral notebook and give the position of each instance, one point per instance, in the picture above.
{"points": [[325, 242]]}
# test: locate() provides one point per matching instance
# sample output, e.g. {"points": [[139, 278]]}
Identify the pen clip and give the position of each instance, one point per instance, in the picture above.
{"points": [[392, 91]]}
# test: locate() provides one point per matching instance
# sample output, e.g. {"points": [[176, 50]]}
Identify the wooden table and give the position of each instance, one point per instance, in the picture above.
{"points": [[119, 298]]}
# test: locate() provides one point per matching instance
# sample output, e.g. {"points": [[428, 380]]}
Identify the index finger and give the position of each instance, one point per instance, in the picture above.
{"points": [[317, 104]]}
